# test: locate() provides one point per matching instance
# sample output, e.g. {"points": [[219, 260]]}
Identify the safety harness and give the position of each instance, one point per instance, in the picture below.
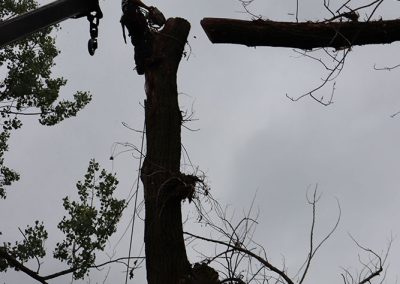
{"points": [[154, 17]]}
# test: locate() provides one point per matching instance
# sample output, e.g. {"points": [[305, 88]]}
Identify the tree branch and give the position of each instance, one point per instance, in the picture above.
{"points": [[19, 266], [281, 273], [42, 279]]}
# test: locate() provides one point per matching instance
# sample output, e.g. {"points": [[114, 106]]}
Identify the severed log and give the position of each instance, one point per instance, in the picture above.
{"points": [[305, 35]]}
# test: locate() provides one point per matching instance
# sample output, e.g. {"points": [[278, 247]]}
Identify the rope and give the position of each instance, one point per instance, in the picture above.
{"points": [[135, 208]]}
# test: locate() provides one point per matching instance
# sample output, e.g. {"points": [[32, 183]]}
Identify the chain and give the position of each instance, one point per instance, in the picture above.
{"points": [[94, 20]]}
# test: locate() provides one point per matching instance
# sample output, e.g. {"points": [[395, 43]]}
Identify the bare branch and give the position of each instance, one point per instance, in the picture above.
{"points": [[311, 251], [371, 269], [266, 263], [386, 68]]}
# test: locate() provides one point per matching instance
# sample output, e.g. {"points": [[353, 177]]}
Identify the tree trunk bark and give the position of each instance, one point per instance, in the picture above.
{"points": [[306, 35], [166, 259]]}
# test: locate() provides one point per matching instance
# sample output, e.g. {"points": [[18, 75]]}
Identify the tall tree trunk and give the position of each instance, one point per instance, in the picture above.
{"points": [[166, 259]]}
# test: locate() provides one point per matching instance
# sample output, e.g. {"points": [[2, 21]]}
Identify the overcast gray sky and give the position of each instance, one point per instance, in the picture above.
{"points": [[252, 140]]}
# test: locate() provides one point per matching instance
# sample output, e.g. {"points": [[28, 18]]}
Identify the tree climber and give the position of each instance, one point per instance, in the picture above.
{"points": [[138, 23]]}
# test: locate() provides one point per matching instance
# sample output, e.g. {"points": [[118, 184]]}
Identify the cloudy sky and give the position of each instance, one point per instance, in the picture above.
{"points": [[251, 139]]}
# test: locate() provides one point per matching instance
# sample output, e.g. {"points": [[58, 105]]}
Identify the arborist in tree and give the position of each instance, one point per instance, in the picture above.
{"points": [[140, 20]]}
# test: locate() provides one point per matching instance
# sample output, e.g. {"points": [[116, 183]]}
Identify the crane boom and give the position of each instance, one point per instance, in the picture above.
{"points": [[21, 26]]}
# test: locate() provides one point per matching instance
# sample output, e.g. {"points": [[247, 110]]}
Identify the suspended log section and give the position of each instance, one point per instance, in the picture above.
{"points": [[306, 35]]}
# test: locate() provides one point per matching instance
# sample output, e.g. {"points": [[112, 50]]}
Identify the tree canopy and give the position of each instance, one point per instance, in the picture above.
{"points": [[29, 89]]}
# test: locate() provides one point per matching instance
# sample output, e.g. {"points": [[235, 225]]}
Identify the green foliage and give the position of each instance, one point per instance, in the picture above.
{"points": [[27, 86], [9, 8], [28, 83], [7, 176], [54, 114], [92, 220], [89, 224], [31, 247]]}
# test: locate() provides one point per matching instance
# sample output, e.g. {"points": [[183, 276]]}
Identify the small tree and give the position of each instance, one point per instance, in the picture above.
{"points": [[28, 89]]}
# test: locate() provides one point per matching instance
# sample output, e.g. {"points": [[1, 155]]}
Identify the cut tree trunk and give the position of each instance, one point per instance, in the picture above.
{"points": [[166, 259], [306, 35]]}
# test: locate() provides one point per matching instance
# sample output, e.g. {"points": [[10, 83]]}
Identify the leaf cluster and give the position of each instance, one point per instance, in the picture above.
{"points": [[10, 8], [32, 246], [29, 87], [7, 175], [91, 221]]}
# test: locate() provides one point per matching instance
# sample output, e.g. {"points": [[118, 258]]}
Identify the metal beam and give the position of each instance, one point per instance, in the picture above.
{"points": [[21, 26]]}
